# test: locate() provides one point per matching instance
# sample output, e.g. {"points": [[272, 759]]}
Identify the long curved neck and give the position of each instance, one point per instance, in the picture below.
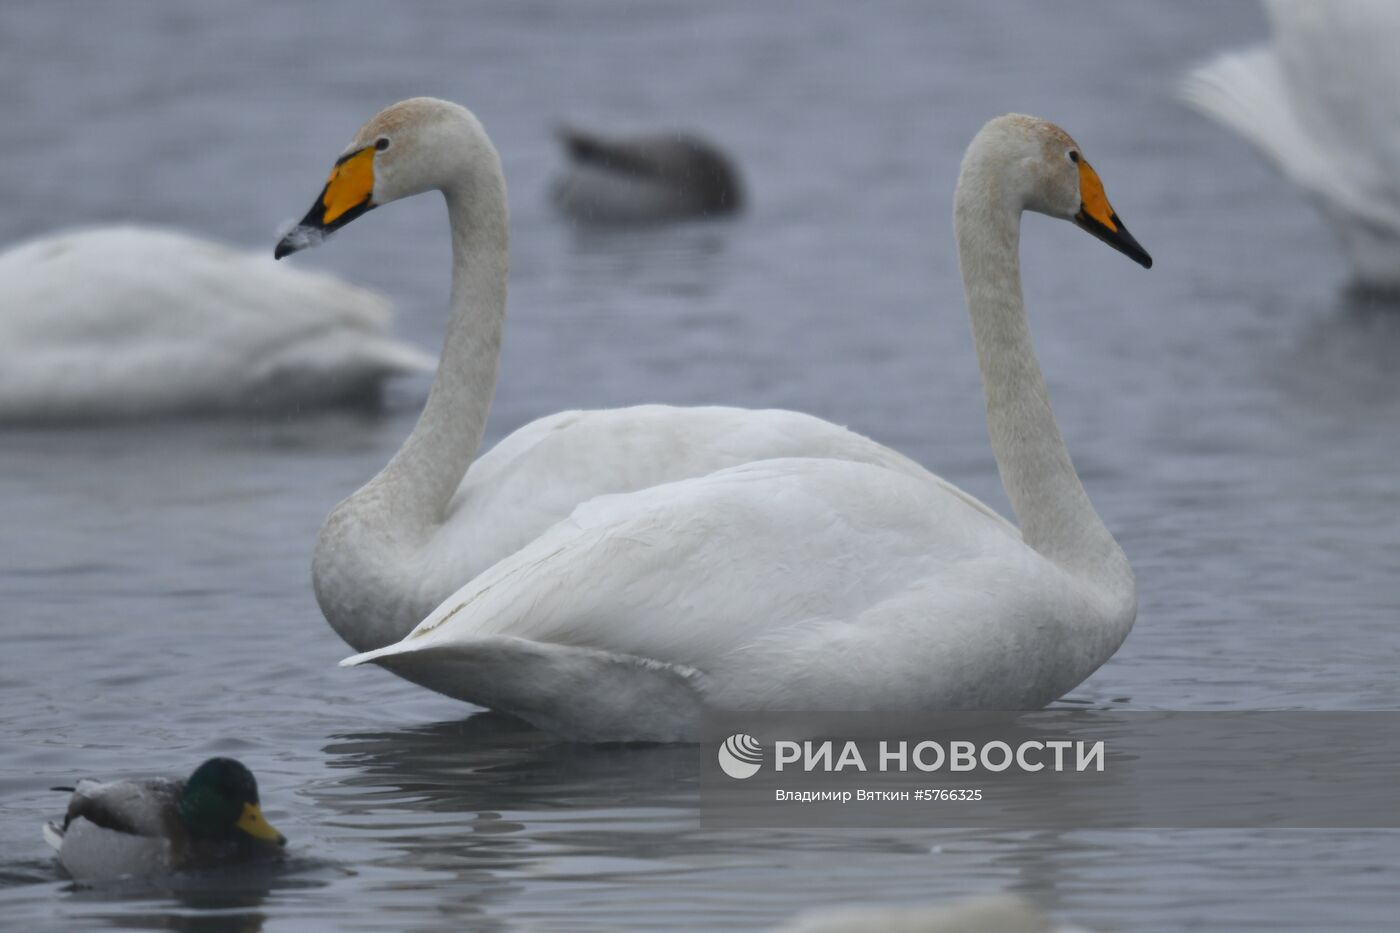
{"points": [[412, 492], [1052, 508]]}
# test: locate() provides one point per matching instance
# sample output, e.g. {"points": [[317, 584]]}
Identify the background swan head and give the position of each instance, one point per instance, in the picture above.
{"points": [[1028, 164], [417, 145]]}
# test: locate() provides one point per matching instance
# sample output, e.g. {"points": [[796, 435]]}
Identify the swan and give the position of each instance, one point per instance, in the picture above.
{"points": [[130, 321], [1323, 104], [819, 584], [641, 178], [437, 515], [985, 913]]}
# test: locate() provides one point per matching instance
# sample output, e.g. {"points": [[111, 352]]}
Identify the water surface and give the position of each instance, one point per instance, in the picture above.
{"points": [[1233, 412]]}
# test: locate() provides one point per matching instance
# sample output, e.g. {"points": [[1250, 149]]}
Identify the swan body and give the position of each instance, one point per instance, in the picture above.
{"points": [[130, 321], [636, 179], [438, 516], [535, 477], [816, 583], [1322, 103]]}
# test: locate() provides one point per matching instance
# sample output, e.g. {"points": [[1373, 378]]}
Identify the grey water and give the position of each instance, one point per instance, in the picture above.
{"points": [[1233, 412]]}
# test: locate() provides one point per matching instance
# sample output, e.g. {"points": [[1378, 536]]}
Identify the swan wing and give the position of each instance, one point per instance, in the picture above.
{"points": [[541, 472], [1338, 61]]}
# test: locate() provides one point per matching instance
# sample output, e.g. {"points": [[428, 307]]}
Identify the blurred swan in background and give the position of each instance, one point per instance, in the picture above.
{"points": [[820, 584], [130, 321], [1322, 102], [637, 179], [433, 519]]}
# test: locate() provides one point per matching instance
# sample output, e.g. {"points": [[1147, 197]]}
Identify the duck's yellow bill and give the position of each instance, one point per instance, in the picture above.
{"points": [[256, 825]]}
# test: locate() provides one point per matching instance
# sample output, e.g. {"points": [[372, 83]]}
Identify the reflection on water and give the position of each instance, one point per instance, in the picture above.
{"points": [[229, 901], [1345, 357]]}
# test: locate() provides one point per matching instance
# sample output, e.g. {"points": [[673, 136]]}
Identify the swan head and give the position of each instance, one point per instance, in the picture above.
{"points": [[1039, 167], [417, 145]]}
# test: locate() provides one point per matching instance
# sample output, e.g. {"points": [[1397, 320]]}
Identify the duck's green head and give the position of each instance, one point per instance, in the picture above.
{"points": [[221, 799]]}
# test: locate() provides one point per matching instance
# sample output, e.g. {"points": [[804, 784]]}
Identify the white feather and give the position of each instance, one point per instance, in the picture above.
{"points": [[128, 321], [1322, 102]]}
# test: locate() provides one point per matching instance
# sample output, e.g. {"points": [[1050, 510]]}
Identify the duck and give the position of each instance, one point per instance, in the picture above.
{"points": [[131, 828], [645, 178], [1319, 102], [438, 515], [813, 583], [128, 321]]}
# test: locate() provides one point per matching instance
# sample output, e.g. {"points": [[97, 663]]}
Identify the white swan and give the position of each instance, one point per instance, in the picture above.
{"points": [[130, 321], [426, 524], [643, 178], [1323, 104], [986, 913], [821, 584]]}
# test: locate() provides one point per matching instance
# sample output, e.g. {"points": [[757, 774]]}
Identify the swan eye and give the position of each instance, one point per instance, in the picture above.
{"points": [[1074, 157], [381, 143]]}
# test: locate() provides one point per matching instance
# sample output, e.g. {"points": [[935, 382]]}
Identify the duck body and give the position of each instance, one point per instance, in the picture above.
{"points": [[1320, 103], [143, 828], [645, 178], [122, 322]]}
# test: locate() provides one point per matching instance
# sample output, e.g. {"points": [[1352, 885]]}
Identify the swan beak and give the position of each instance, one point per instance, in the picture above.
{"points": [[256, 825], [349, 192], [1097, 216]]}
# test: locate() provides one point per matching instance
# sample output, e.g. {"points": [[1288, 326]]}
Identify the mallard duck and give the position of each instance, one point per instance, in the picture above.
{"points": [[130, 828]]}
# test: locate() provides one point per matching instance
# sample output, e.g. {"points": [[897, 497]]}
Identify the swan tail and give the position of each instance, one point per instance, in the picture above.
{"points": [[398, 358], [583, 693], [1245, 92], [1308, 105]]}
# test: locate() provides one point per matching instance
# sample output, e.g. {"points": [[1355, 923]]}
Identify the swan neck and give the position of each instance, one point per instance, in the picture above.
{"points": [[420, 480], [1052, 508]]}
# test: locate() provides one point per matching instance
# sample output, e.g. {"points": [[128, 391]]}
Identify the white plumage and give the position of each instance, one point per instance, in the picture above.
{"points": [[817, 583], [1322, 102], [130, 321]]}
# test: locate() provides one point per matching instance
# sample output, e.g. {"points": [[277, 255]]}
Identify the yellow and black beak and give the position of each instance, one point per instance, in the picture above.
{"points": [[1097, 216], [349, 192], [256, 825]]}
